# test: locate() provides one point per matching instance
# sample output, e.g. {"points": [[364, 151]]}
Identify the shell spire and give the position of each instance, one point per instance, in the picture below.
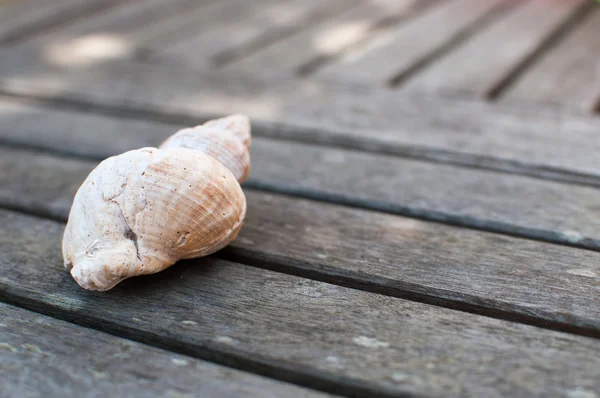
{"points": [[140, 212], [226, 139]]}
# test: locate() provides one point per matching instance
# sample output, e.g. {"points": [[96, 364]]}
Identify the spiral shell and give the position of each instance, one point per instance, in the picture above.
{"points": [[140, 212], [226, 139]]}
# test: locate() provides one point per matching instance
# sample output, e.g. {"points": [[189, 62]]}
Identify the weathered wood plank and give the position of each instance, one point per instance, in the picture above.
{"points": [[42, 356], [25, 16], [492, 201], [484, 62], [464, 132], [460, 268], [396, 52], [566, 75], [477, 198], [330, 337], [508, 204], [325, 41], [265, 23], [125, 25], [89, 135], [471, 270], [198, 46], [65, 177], [195, 21]]}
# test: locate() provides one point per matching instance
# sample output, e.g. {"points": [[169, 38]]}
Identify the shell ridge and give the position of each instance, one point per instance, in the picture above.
{"points": [[142, 211]]}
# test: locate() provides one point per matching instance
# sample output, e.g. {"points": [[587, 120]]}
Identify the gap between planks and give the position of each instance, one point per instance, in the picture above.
{"points": [[567, 73], [321, 137], [28, 31], [52, 197], [496, 12], [315, 101], [313, 18], [287, 327], [319, 110], [327, 382], [363, 281], [58, 354], [556, 37], [306, 51], [492, 54], [510, 229]]}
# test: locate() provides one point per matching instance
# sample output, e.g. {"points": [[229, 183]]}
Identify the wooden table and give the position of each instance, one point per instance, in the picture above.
{"points": [[423, 208]]}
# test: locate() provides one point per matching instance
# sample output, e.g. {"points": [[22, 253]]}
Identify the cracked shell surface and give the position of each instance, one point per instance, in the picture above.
{"points": [[140, 212]]}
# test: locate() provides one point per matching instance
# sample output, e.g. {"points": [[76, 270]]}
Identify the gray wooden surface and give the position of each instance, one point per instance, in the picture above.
{"points": [[121, 23], [379, 61], [455, 267], [296, 329], [43, 356], [20, 19], [568, 74], [305, 51], [194, 21], [459, 131], [483, 64], [510, 204], [422, 204], [252, 31]]}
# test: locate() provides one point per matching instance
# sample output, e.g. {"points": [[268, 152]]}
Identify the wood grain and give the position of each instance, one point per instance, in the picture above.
{"points": [[195, 21], [491, 201], [21, 18], [42, 356], [481, 64], [568, 73], [461, 268], [482, 199], [461, 132], [395, 53], [263, 24], [332, 338], [126, 24], [325, 41], [83, 134]]}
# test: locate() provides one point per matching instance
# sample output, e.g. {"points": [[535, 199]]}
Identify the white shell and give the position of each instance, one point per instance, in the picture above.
{"points": [[226, 139], [140, 212]]}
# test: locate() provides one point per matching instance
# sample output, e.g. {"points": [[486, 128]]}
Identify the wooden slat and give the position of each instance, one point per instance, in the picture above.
{"points": [[42, 356], [506, 203], [458, 131], [487, 59], [329, 337], [243, 24], [497, 202], [83, 134], [129, 23], [403, 257], [265, 23], [325, 41], [567, 74], [23, 16], [397, 52], [195, 21]]}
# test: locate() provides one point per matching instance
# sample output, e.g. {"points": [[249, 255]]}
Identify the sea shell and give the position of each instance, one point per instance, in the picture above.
{"points": [[140, 212], [226, 139]]}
